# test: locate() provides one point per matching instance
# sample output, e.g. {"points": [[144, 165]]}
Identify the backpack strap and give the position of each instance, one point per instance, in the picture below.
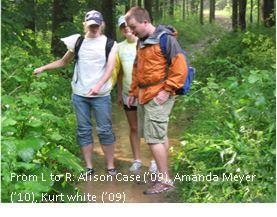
{"points": [[77, 47], [163, 44], [108, 48], [191, 71], [76, 51]]}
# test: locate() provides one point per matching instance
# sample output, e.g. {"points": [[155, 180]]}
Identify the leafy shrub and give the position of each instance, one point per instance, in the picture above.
{"points": [[37, 126], [232, 128]]}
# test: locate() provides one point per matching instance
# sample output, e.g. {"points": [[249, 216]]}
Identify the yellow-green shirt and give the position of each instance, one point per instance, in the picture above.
{"points": [[127, 54]]}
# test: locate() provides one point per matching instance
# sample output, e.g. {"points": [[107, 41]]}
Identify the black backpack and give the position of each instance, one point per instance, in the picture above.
{"points": [[108, 47]]}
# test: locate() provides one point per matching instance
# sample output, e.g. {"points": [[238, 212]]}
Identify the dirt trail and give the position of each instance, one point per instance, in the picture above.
{"points": [[117, 188], [199, 47]]}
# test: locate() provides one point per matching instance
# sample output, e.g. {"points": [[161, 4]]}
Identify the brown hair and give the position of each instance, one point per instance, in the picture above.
{"points": [[139, 14]]}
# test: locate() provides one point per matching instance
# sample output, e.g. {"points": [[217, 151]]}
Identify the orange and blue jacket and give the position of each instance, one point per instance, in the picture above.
{"points": [[151, 74]]}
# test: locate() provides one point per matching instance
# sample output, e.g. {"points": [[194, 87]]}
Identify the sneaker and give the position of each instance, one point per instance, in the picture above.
{"points": [[153, 179], [112, 171], [88, 172], [153, 167], [159, 187], [135, 166]]}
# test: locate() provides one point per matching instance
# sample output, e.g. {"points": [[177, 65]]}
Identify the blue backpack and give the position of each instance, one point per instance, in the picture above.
{"points": [[191, 71]]}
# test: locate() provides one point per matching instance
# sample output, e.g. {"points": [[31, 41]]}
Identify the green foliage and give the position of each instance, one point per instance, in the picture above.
{"points": [[231, 105], [37, 126], [235, 52], [233, 129], [191, 32]]}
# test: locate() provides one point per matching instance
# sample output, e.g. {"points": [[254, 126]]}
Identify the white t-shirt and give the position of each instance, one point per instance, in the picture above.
{"points": [[91, 65]]}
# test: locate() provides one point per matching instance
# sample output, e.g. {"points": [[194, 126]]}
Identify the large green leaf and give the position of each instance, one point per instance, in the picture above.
{"points": [[25, 166], [30, 100], [6, 121], [254, 77], [56, 136], [65, 158], [26, 154], [34, 122], [40, 182], [27, 148]]}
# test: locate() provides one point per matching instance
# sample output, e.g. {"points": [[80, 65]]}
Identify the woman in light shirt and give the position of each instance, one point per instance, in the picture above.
{"points": [[91, 86], [126, 56]]}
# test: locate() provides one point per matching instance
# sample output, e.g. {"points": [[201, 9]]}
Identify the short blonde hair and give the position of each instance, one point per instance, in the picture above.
{"points": [[139, 14]]}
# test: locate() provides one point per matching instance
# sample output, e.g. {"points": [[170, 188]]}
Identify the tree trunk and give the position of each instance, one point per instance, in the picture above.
{"points": [[184, 9], [194, 6], [251, 11], [268, 13], [242, 12], [108, 9], [94, 5], [162, 9], [139, 3], [157, 9], [148, 7], [165, 9], [171, 8], [212, 11], [187, 7], [61, 14], [29, 7], [234, 14], [201, 12], [127, 6], [258, 12]]}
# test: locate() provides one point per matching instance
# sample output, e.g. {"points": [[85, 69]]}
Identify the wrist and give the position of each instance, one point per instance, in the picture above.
{"points": [[43, 68], [100, 84]]}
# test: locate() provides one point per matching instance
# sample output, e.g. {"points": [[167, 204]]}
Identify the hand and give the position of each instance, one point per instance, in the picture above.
{"points": [[94, 90], [38, 70], [130, 101], [162, 97]]}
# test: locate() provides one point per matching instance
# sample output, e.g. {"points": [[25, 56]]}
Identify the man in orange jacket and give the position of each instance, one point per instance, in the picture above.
{"points": [[154, 84]]}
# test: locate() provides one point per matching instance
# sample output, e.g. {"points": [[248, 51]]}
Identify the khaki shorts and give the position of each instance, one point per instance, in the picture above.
{"points": [[153, 120]]}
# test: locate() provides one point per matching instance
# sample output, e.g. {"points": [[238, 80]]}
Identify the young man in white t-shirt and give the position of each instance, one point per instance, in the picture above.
{"points": [[91, 85]]}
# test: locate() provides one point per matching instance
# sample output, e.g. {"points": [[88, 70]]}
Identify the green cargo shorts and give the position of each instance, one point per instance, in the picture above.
{"points": [[153, 120]]}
